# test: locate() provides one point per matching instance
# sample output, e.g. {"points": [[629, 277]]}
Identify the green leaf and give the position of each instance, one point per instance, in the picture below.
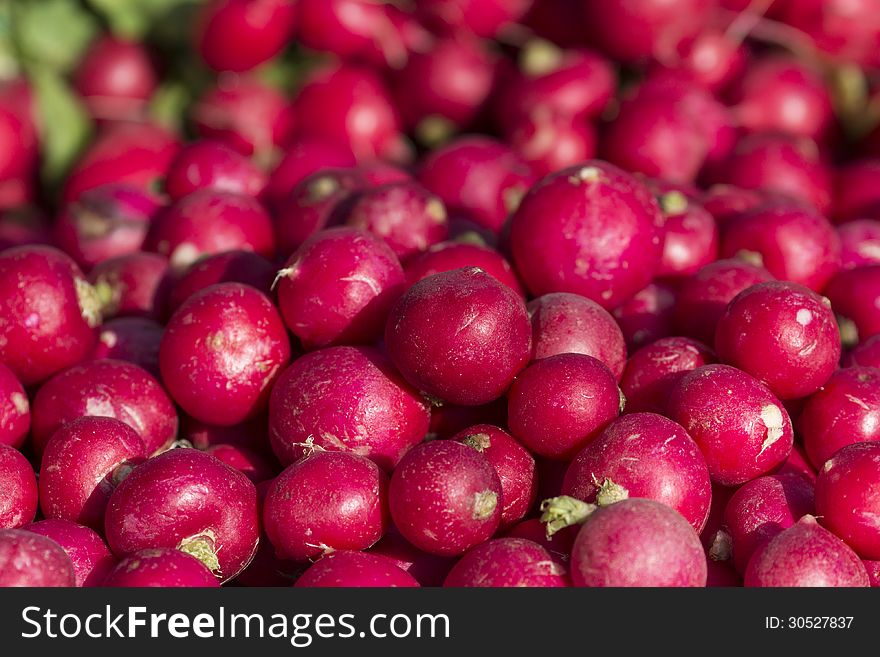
{"points": [[135, 18], [52, 33], [169, 103]]}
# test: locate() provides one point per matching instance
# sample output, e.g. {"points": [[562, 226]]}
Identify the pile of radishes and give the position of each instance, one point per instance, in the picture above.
{"points": [[449, 292]]}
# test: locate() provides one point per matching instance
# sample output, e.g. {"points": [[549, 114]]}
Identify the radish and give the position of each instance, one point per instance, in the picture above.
{"points": [[782, 334], [713, 58], [647, 316], [133, 285], [228, 267], [558, 546], [445, 497], [725, 202], [347, 568], [303, 157], [865, 354], [485, 18], [507, 562], [714, 537], [30, 560], [23, 227], [855, 295], [859, 243], [252, 464], [428, 569], [550, 142], [213, 165], [690, 233], [448, 419], [324, 502], [160, 567], [742, 430], [132, 339], [188, 500], [873, 568], [19, 486], [49, 313], [855, 190], [446, 256], [89, 554], [251, 434], [15, 410]]}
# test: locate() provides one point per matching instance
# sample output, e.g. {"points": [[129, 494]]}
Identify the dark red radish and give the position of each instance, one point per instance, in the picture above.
{"points": [[799, 464], [110, 388], [647, 316], [229, 267], [345, 399], [133, 285], [721, 574], [207, 164], [459, 336], [132, 339], [690, 236], [221, 352], [550, 142], [89, 554], [325, 502], [49, 313], [347, 568], [428, 569], [855, 190], [251, 434], [559, 404], [714, 537], [15, 410], [637, 542], [562, 241], [873, 568], [513, 463], [303, 157], [558, 545], [19, 485], [507, 562], [806, 555], [742, 430], [23, 226], [485, 18], [448, 419], [376, 173], [569, 323], [558, 21], [859, 243], [447, 256], [783, 334], [252, 464], [855, 297], [726, 202], [160, 567], [445, 497], [865, 354], [268, 570], [31, 560]]}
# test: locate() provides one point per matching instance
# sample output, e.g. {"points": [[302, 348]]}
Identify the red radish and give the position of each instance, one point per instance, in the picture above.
{"points": [[690, 236], [797, 463], [133, 285], [325, 502], [647, 316], [643, 455], [558, 545], [859, 243], [221, 352], [303, 157], [485, 18], [27, 559], [19, 486], [713, 58], [253, 465], [559, 404], [428, 569], [782, 334], [446, 256], [228, 267], [742, 430], [105, 222], [188, 500], [351, 29], [460, 336], [569, 323], [855, 190], [23, 226], [560, 242], [477, 177], [376, 173], [213, 165], [848, 497], [714, 536], [865, 354], [49, 313], [238, 35], [703, 297], [448, 419], [513, 463], [873, 568], [363, 405], [267, 570], [558, 21], [855, 297], [806, 555], [507, 562], [347, 568], [549, 142], [721, 574], [637, 542], [132, 339], [18, 131], [251, 434], [88, 552], [726, 202], [160, 567], [761, 509], [15, 410], [112, 388], [82, 464], [652, 372]]}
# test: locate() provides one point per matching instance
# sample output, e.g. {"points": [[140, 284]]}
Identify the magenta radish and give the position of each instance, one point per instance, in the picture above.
{"points": [[253, 465], [303, 157], [549, 142], [807, 555], [865, 354], [365, 407], [782, 334], [513, 463], [560, 244], [647, 316], [690, 236], [798, 463], [213, 165], [713, 58], [559, 404], [351, 30], [558, 546], [859, 243], [133, 285], [855, 190], [15, 410], [507, 562], [742, 430], [112, 388], [873, 568], [160, 567], [89, 554], [19, 485], [428, 569], [855, 295], [24, 227], [347, 568], [485, 18], [31, 560], [132, 339], [448, 419], [446, 256], [726, 202], [251, 434], [714, 536], [50, 312], [459, 336], [445, 497], [228, 267]]}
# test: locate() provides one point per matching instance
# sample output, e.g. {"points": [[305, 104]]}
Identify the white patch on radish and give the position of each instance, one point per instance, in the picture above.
{"points": [[20, 402], [858, 402], [772, 418], [804, 317]]}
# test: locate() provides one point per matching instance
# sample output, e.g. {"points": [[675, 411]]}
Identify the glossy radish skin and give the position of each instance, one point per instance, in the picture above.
{"points": [[513, 463], [244, 267], [807, 555], [569, 323], [549, 142], [854, 295], [214, 165], [634, 543], [115, 78], [798, 463], [559, 404], [690, 236], [83, 463], [507, 562], [188, 500], [652, 372], [460, 336], [132, 339], [15, 410], [859, 243], [325, 502], [647, 316], [222, 351], [345, 399], [50, 313], [160, 567], [561, 241], [27, 559], [855, 187], [848, 497], [743, 433], [446, 256], [643, 455], [347, 568], [19, 485], [89, 554], [133, 285], [782, 334], [445, 497], [112, 388], [303, 157]]}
